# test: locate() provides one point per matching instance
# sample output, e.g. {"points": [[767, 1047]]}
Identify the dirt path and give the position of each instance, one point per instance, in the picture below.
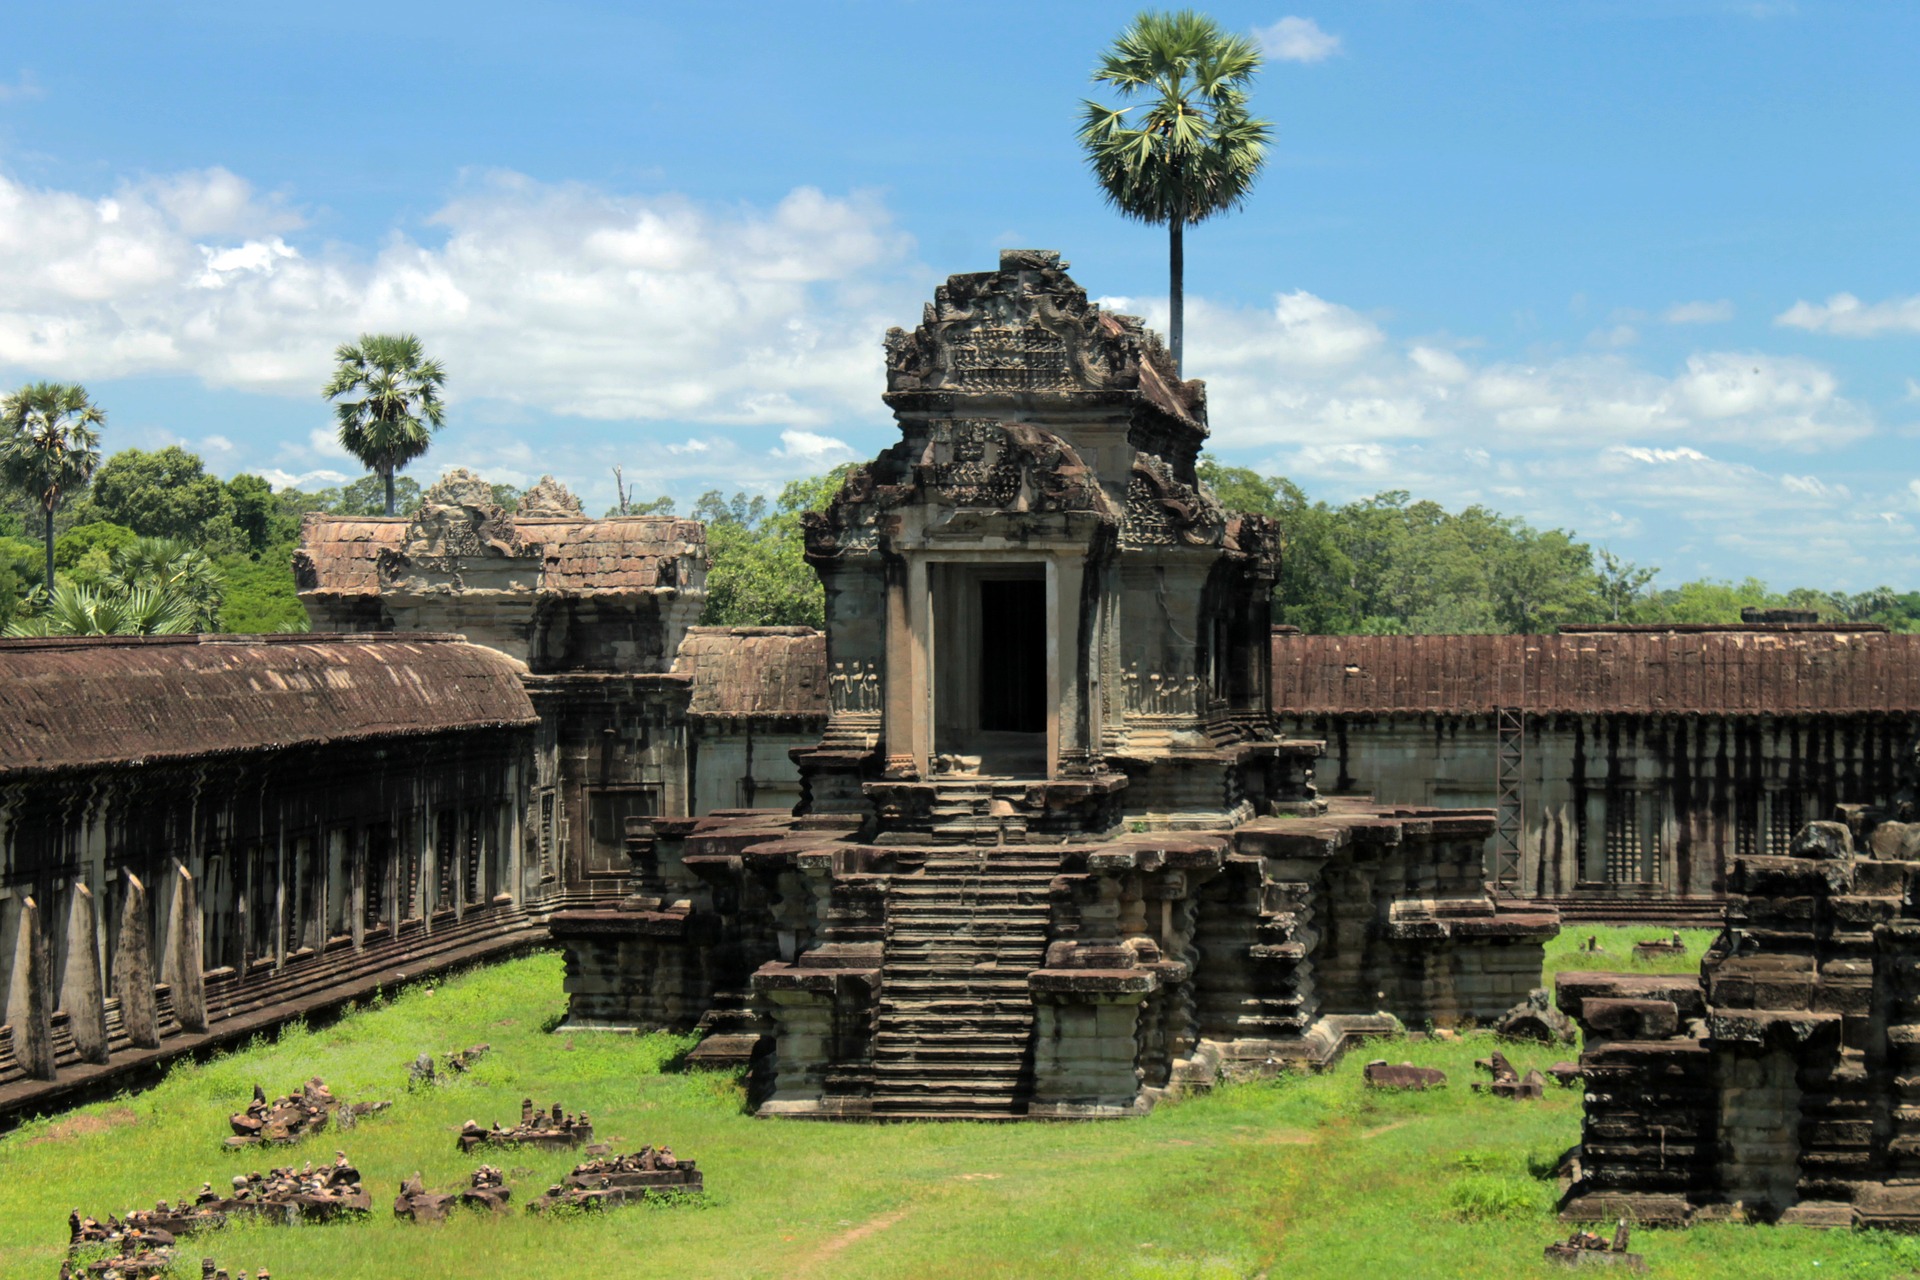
{"points": [[847, 1239]]}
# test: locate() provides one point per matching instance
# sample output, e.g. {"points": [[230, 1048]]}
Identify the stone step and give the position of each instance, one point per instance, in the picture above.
{"points": [[951, 1047], [951, 1026], [999, 980], [956, 1015]]}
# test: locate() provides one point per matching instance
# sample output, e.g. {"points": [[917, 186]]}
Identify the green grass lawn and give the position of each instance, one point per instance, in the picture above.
{"points": [[1297, 1177]]}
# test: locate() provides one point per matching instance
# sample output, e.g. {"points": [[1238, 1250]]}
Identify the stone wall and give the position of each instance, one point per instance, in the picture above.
{"points": [[1618, 808]]}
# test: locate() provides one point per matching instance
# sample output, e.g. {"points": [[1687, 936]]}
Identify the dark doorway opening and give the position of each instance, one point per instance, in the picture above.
{"points": [[1013, 656]]}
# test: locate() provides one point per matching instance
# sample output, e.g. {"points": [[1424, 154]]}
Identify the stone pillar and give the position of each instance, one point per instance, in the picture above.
{"points": [[1084, 1046], [181, 968], [29, 1004], [133, 968], [82, 993]]}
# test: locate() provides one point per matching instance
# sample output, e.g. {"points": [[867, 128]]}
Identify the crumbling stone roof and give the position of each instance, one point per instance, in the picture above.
{"points": [[755, 671], [344, 555], [1745, 671], [82, 702]]}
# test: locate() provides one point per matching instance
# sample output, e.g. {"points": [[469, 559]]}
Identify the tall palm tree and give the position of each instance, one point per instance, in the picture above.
{"points": [[398, 409], [1196, 151], [49, 447]]}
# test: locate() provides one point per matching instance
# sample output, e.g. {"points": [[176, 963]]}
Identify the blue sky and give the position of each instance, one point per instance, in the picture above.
{"points": [[1646, 270]]}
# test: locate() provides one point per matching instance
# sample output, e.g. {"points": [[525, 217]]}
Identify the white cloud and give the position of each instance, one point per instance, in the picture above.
{"points": [[280, 479], [1699, 312], [1296, 40], [565, 299], [1848, 317], [813, 449]]}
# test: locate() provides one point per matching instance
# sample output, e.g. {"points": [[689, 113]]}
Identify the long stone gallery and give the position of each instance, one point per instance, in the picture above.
{"points": [[1049, 823]]}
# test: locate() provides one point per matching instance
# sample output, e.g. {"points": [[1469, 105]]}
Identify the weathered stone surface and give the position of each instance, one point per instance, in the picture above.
{"points": [[1536, 1019], [30, 1000], [1381, 1074], [183, 970], [82, 994], [133, 967]]}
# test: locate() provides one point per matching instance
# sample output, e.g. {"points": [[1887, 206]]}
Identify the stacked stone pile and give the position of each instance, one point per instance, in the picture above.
{"points": [[295, 1116], [556, 1129], [604, 1182]]}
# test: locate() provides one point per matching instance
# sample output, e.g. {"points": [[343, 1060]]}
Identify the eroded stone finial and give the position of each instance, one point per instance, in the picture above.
{"points": [[548, 497], [458, 488]]}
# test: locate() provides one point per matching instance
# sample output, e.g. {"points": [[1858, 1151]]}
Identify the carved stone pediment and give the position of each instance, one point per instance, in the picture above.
{"points": [[1164, 511], [548, 497], [1026, 327]]}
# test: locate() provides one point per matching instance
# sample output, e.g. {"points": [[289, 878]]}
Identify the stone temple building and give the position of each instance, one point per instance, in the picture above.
{"points": [[1050, 857]]}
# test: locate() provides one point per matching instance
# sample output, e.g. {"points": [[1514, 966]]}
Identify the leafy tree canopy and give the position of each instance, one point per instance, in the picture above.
{"points": [[759, 574], [166, 493]]}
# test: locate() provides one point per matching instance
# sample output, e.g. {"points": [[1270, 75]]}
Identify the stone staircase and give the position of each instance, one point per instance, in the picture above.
{"points": [[954, 1034], [968, 812]]}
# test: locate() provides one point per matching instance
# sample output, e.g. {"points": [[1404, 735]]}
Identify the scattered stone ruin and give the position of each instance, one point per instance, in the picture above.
{"points": [[1050, 856], [1782, 1082], [285, 1196], [486, 1190], [614, 1180], [1587, 1249], [556, 1130], [295, 1116]]}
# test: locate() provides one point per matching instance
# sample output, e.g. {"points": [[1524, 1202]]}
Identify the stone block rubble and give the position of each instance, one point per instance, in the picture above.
{"points": [[1588, 1249], [486, 1189], [1507, 1082], [608, 1181], [295, 1116], [1381, 1074], [423, 1075], [554, 1129]]}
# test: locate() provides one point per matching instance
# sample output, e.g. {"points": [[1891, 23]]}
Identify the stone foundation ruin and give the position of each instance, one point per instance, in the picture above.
{"points": [[1050, 858], [1782, 1082]]}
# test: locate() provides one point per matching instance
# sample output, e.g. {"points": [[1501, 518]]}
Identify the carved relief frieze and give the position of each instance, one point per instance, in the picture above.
{"points": [[853, 688], [1163, 696]]}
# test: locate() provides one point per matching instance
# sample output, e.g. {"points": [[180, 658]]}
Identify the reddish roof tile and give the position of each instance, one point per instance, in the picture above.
{"points": [[69, 702], [1796, 671]]}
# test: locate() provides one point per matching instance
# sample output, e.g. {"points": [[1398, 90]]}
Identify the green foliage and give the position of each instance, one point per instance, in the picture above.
{"points": [[1390, 565], [759, 574], [398, 408], [21, 565], [148, 586], [259, 595], [255, 513], [1479, 1197], [168, 494], [48, 447], [87, 548]]}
